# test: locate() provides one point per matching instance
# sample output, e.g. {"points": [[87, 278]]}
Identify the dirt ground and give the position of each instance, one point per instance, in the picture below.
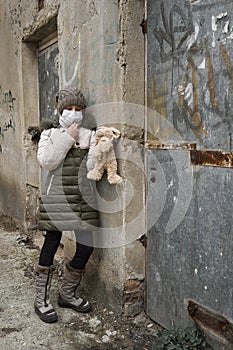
{"points": [[20, 327]]}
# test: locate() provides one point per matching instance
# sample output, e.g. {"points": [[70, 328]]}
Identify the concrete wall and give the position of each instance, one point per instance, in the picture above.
{"points": [[101, 50], [12, 123]]}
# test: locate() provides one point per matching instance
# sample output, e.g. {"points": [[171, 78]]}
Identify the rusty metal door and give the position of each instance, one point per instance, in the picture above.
{"points": [[189, 163]]}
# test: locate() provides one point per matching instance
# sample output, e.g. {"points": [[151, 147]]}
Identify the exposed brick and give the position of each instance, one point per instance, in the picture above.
{"points": [[132, 284], [133, 296]]}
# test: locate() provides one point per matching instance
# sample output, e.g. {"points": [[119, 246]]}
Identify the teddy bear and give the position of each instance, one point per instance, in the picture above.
{"points": [[103, 155]]}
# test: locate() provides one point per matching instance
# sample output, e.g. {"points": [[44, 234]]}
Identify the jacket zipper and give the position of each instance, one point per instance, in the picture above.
{"points": [[50, 184]]}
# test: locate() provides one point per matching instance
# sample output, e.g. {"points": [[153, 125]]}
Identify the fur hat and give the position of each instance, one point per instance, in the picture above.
{"points": [[69, 96]]}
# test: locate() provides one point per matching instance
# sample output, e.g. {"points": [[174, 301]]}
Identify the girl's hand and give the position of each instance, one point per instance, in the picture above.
{"points": [[73, 130]]}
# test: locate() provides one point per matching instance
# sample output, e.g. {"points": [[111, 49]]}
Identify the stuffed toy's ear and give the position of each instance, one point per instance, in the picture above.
{"points": [[116, 133]]}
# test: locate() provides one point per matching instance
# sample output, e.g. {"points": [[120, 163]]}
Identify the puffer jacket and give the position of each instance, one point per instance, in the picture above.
{"points": [[67, 198]]}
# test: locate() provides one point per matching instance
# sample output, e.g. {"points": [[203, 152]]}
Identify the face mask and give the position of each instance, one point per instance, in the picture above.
{"points": [[69, 117]]}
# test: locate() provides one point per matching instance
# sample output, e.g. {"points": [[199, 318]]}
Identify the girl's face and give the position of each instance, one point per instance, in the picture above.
{"points": [[71, 114]]}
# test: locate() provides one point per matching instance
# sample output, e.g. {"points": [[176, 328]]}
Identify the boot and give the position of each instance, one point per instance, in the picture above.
{"points": [[66, 297], [42, 305]]}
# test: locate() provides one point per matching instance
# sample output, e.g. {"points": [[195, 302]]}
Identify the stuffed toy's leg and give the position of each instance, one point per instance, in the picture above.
{"points": [[111, 168]]}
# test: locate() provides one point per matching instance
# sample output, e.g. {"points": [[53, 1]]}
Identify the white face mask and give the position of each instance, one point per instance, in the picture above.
{"points": [[69, 117]]}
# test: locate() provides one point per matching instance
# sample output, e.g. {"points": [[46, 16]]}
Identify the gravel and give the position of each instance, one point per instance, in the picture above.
{"points": [[20, 327]]}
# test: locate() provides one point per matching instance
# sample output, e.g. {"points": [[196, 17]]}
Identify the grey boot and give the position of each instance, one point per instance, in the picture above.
{"points": [[67, 298], [42, 305]]}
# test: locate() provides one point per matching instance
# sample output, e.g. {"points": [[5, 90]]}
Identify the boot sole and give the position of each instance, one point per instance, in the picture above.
{"points": [[46, 318], [82, 309]]}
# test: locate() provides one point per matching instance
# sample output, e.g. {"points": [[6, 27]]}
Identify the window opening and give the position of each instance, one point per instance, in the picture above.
{"points": [[48, 78]]}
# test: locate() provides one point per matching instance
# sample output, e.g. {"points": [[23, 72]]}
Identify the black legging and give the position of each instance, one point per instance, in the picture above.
{"points": [[82, 253]]}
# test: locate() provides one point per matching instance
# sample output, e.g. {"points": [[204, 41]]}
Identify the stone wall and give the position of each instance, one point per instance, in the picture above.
{"points": [[101, 50]]}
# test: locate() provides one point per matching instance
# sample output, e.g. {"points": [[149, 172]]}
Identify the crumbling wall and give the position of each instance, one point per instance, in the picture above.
{"points": [[97, 52], [101, 50], [11, 148]]}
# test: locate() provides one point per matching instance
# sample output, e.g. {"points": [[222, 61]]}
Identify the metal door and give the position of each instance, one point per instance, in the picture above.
{"points": [[48, 79], [190, 109]]}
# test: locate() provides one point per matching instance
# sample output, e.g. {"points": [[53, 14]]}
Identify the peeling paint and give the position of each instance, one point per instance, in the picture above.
{"points": [[193, 37], [214, 24], [202, 65], [221, 15], [226, 27]]}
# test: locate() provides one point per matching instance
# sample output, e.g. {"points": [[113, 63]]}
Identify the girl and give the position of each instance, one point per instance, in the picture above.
{"points": [[67, 203]]}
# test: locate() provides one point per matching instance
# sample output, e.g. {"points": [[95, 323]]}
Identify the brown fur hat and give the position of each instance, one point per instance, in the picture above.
{"points": [[69, 96]]}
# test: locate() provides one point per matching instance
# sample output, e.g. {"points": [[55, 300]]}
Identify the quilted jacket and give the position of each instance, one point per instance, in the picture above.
{"points": [[67, 196]]}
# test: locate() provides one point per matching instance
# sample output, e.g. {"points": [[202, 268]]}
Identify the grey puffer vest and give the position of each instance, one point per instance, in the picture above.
{"points": [[68, 200]]}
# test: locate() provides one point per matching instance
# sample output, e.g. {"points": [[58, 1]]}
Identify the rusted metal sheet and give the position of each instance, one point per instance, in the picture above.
{"points": [[212, 158], [211, 321], [159, 145], [198, 157]]}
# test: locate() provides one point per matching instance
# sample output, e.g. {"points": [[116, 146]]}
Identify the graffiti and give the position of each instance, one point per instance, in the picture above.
{"points": [[72, 60], [92, 11], [104, 58], [7, 103], [100, 60], [201, 72], [173, 36], [189, 108], [71, 72], [6, 126], [221, 29], [7, 98]]}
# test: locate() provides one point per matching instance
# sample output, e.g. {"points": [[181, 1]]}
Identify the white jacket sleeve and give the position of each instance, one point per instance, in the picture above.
{"points": [[53, 147], [90, 156]]}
